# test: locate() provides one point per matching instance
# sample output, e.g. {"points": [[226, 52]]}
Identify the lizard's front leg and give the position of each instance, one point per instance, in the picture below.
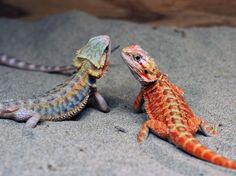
{"points": [[99, 99], [138, 102]]}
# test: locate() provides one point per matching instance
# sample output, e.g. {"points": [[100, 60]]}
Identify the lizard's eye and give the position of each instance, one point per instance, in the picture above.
{"points": [[137, 57], [106, 49], [146, 72]]}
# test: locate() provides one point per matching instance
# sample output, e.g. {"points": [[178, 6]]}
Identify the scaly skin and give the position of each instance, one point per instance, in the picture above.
{"points": [[12, 62], [69, 98], [169, 115]]}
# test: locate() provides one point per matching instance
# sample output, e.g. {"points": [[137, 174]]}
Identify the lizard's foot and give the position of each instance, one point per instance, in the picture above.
{"points": [[157, 127], [206, 129], [100, 101]]}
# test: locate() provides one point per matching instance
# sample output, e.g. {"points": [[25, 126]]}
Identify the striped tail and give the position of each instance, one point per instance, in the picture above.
{"points": [[187, 142], [19, 64]]}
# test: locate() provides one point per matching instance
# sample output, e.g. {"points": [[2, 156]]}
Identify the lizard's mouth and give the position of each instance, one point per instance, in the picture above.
{"points": [[128, 61], [107, 53]]}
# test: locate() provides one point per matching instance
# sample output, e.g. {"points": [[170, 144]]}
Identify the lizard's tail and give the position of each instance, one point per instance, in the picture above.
{"points": [[187, 142], [19, 64]]}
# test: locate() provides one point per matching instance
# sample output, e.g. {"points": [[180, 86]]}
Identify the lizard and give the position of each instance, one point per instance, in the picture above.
{"points": [[169, 116], [13, 62], [69, 98]]}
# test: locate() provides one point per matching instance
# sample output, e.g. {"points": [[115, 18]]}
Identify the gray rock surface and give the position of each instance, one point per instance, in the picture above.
{"points": [[200, 60]]}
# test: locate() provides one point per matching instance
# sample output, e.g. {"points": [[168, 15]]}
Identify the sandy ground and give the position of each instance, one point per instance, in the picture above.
{"points": [[200, 60]]}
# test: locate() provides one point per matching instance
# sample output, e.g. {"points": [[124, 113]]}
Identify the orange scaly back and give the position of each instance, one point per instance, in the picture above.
{"points": [[170, 117]]}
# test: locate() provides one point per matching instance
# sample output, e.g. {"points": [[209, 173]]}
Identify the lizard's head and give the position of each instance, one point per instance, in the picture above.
{"points": [[141, 65], [97, 51]]}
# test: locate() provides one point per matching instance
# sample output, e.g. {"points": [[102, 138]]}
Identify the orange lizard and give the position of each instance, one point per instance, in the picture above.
{"points": [[169, 116]]}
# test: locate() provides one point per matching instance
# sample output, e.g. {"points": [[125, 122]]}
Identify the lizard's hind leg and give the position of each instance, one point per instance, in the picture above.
{"points": [[21, 115], [31, 117], [206, 129]]}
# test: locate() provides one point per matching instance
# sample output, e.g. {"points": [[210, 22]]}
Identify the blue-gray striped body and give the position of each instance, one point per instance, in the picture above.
{"points": [[62, 102], [69, 98]]}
